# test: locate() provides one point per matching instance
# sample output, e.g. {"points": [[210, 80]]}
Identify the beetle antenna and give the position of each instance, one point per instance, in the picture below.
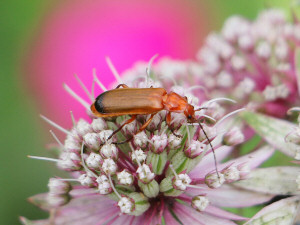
{"points": [[113, 70], [212, 148]]}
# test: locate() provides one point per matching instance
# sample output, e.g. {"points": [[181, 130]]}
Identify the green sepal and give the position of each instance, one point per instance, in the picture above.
{"points": [[151, 189], [158, 161], [141, 203]]}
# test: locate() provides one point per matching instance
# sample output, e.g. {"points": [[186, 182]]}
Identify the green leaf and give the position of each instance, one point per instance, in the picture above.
{"points": [[272, 130]]}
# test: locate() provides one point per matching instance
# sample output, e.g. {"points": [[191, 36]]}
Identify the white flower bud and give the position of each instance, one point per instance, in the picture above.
{"points": [[58, 186], [233, 137], [213, 180], [99, 124], [138, 155], [224, 79], [281, 49], [126, 205], [195, 149], [156, 121], [104, 134], [92, 140], [238, 62], [125, 178], [145, 174], [130, 128], [109, 151], [94, 161], [103, 185], [181, 181], [263, 50], [200, 203], [211, 133], [85, 180], [72, 143], [174, 141], [83, 127], [159, 143], [109, 166], [231, 174], [140, 139], [246, 42], [69, 161]]}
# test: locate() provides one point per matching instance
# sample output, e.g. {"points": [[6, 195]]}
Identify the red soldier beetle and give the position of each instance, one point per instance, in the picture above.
{"points": [[143, 101]]}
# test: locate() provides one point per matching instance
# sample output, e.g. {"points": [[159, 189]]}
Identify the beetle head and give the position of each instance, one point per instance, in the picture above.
{"points": [[189, 112]]}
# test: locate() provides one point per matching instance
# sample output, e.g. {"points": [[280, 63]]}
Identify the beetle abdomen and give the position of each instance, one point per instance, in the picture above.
{"points": [[129, 101]]}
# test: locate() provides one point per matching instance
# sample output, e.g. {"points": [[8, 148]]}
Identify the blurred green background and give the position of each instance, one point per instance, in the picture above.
{"points": [[22, 131]]}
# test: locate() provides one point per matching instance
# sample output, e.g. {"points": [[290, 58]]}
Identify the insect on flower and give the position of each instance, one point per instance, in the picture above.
{"points": [[141, 101]]}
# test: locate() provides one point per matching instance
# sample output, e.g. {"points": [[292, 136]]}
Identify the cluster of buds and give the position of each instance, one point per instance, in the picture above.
{"points": [[154, 165]]}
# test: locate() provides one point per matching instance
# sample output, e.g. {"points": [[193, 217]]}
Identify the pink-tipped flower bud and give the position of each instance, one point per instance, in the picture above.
{"points": [[211, 133], [233, 137], [214, 180], [159, 143], [195, 149], [58, 187], [72, 143], [69, 161], [92, 141], [98, 125], [200, 203], [156, 121]]}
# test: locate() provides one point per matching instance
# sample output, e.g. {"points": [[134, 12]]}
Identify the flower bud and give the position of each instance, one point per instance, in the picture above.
{"points": [[103, 185], [200, 203], [231, 174], [83, 128], [140, 140], [72, 143], [159, 143], [140, 204], [166, 186], [126, 205], [109, 151], [86, 180], [145, 174], [125, 178], [233, 137], [263, 50], [138, 155], [214, 180], [57, 186], [195, 149], [131, 128], [69, 161], [238, 63], [104, 134], [174, 141], [211, 133], [181, 181], [109, 166], [98, 125], [94, 161], [92, 140], [155, 123]]}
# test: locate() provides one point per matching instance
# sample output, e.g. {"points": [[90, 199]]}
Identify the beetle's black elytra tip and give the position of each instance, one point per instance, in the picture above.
{"points": [[98, 103]]}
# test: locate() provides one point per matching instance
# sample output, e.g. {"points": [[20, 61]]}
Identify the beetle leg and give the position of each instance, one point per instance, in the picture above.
{"points": [[168, 120], [122, 85], [127, 122], [140, 130]]}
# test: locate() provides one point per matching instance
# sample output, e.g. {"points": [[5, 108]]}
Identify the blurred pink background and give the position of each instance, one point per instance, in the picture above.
{"points": [[76, 36]]}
